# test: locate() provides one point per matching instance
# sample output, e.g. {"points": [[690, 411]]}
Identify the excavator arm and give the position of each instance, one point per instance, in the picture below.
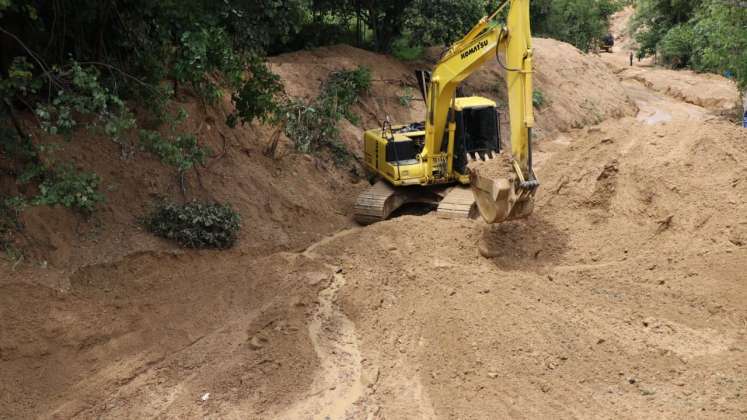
{"points": [[487, 39]]}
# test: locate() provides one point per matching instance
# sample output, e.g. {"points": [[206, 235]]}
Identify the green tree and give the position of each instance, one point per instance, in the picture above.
{"points": [[386, 19], [677, 45], [441, 22], [654, 18], [707, 35], [579, 22], [720, 39], [83, 63]]}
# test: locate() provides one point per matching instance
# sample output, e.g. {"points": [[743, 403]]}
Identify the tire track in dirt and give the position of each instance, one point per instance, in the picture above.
{"points": [[338, 385]]}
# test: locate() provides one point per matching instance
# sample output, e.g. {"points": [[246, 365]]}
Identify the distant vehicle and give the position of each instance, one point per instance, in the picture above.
{"points": [[608, 41]]}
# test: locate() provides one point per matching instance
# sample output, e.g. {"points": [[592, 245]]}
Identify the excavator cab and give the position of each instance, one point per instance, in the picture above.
{"points": [[394, 151]]}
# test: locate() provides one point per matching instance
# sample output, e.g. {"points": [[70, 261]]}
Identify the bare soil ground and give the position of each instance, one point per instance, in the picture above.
{"points": [[578, 89], [621, 296]]}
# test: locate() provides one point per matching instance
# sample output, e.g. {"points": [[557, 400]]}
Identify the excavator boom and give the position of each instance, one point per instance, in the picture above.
{"points": [[484, 41], [503, 197]]}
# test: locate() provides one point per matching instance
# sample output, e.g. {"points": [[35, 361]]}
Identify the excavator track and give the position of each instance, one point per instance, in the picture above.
{"points": [[458, 203], [380, 200], [377, 203]]}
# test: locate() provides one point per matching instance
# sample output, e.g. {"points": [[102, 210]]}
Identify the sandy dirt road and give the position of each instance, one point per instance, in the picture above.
{"points": [[623, 296]]}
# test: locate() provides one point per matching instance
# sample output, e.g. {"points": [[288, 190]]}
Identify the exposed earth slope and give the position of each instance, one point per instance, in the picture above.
{"points": [[622, 296]]}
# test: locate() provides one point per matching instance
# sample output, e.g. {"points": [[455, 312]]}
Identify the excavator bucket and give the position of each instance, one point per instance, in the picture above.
{"points": [[501, 195]]}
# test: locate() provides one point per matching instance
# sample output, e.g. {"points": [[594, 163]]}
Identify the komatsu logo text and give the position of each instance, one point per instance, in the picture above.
{"points": [[477, 47]]}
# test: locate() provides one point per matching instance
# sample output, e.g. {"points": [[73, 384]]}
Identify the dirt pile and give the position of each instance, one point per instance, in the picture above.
{"points": [[709, 91], [131, 339], [96, 302], [93, 291], [273, 194], [577, 89], [501, 166], [287, 199], [620, 297]]}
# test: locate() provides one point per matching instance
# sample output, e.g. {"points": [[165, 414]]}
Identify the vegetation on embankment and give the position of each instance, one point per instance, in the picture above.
{"points": [[126, 71], [123, 71], [705, 35]]}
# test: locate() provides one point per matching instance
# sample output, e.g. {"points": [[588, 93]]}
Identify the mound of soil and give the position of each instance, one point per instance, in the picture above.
{"points": [[616, 298], [578, 89], [709, 91], [501, 166]]}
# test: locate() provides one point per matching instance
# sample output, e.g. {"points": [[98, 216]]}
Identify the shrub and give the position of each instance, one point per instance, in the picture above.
{"points": [[538, 98], [68, 187], [256, 97], [342, 90], [313, 126], [180, 150], [83, 97], [195, 224], [677, 45], [203, 53], [406, 97], [403, 50]]}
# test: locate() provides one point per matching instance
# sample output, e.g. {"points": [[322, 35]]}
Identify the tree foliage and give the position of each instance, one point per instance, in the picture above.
{"points": [[83, 65], [579, 22], [706, 35], [73, 189], [720, 39], [654, 18], [443, 21]]}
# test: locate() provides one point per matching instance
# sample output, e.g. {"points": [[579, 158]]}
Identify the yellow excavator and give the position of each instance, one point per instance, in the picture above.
{"points": [[432, 162]]}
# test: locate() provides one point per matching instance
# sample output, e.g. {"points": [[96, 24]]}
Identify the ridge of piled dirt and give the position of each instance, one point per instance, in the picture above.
{"points": [[709, 91], [620, 297], [273, 194], [578, 89], [303, 72]]}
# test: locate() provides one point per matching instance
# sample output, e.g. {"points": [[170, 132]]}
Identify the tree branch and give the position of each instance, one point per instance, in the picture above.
{"points": [[34, 56]]}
